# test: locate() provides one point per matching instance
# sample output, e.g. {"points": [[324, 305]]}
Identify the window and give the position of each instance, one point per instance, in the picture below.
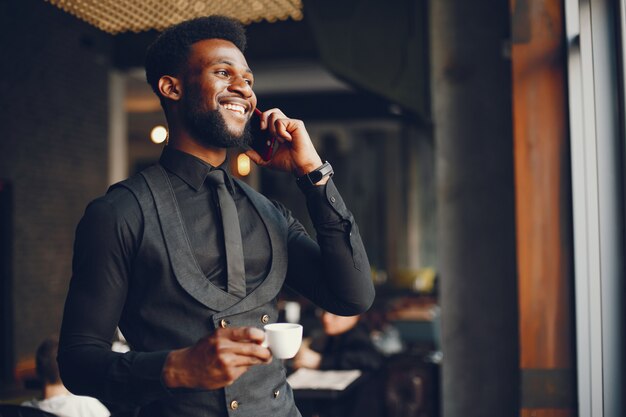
{"points": [[596, 97]]}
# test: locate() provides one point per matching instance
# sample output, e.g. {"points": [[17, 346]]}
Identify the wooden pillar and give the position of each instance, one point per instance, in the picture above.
{"points": [[543, 209]]}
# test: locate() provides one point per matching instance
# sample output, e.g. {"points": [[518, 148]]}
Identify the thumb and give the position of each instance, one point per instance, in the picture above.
{"points": [[255, 157]]}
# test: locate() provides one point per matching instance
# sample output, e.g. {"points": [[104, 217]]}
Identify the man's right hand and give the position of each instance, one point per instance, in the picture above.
{"points": [[217, 360]]}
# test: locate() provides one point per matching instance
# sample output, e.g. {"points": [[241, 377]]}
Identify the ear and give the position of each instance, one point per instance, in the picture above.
{"points": [[170, 87]]}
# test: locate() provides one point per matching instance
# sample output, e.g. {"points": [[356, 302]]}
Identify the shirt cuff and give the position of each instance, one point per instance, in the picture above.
{"points": [[325, 204], [148, 367]]}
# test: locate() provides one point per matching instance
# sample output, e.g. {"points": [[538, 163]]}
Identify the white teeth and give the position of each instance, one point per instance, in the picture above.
{"points": [[235, 107]]}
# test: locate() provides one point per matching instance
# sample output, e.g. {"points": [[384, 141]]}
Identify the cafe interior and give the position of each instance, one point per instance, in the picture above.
{"points": [[479, 145]]}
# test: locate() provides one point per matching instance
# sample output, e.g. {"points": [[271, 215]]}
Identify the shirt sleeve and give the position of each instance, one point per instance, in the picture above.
{"points": [[333, 272], [104, 247]]}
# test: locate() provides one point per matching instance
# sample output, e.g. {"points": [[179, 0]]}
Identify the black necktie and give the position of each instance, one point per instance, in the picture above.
{"points": [[232, 235]]}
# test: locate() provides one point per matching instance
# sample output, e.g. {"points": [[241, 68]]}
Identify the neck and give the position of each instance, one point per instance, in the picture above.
{"points": [[54, 390], [182, 141]]}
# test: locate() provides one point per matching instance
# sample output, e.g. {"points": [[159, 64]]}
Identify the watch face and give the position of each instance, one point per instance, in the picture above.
{"points": [[309, 180], [315, 176]]}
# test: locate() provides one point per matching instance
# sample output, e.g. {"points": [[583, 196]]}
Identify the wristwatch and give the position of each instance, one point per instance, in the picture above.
{"points": [[309, 180]]}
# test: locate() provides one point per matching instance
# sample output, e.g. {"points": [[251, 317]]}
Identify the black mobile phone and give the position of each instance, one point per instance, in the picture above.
{"points": [[262, 140]]}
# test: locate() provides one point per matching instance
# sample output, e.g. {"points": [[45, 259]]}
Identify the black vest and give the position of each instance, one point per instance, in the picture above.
{"points": [[171, 304]]}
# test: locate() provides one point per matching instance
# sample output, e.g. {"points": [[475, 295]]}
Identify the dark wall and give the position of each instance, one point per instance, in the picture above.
{"points": [[54, 117]]}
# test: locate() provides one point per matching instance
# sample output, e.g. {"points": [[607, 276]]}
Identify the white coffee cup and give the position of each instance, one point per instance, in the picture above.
{"points": [[283, 339]]}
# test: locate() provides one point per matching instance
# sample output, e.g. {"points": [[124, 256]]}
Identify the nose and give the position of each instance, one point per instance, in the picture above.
{"points": [[240, 85]]}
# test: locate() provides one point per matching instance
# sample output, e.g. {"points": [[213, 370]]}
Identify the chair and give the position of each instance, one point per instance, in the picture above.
{"points": [[11, 410], [412, 386]]}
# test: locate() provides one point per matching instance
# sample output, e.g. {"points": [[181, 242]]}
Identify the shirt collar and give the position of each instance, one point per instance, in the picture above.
{"points": [[189, 168]]}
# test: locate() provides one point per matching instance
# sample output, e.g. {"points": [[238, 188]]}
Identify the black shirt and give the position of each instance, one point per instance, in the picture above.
{"points": [[197, 202], [332, 272]]}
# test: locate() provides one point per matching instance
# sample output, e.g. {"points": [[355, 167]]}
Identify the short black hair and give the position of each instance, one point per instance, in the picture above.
{"points": [[46, 361], [169, 51]]}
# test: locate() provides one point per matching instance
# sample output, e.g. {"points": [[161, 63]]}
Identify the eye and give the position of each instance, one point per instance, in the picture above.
{"points": [[222, 72], [249, 82]]}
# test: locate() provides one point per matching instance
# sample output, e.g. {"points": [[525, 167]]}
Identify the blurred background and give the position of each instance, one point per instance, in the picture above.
{"points": [[480, 146]]}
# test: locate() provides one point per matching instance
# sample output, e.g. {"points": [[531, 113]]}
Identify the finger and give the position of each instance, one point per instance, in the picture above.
{"points": [[242, 353], [272, 116], [249, 357], [265, 118], [274, 113], [255, 157], [237, 371], [254, 350], [287, 127], [253, 347], [230, 371], [244, 334]]}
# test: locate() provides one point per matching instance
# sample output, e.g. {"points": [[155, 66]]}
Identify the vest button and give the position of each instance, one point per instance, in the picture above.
{"points": [[234, 405], [223, 324], [265, 319]]}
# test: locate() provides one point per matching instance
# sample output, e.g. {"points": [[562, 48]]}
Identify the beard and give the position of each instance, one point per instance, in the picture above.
{"points": [[208, 127]]}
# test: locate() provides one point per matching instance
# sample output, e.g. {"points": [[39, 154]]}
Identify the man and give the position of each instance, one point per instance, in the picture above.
{"points": [[156, 253], [56, 398], [344, 344]]}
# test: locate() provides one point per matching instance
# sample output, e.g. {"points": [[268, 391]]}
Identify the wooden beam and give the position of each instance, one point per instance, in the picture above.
{"points": [[543, 209]]}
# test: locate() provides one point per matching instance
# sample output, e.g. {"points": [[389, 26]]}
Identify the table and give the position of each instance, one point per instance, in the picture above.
{"points": [[338, 402]]}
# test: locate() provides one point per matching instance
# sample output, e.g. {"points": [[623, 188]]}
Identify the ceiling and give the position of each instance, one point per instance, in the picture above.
{"points": [[118, 16], [376, 47]]}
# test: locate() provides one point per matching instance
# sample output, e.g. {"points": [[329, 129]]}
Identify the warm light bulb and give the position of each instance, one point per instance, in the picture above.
{"points": [[158, 134], [243, 164]]}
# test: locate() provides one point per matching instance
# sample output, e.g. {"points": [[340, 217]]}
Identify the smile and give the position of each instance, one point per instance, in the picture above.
{"points": [[237, 108]]}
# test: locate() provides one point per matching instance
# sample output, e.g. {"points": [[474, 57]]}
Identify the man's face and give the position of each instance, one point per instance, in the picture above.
{"points": [[217, 99]]}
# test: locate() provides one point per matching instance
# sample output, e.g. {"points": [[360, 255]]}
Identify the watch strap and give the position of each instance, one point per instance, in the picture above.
{"points": [[309, 180]]}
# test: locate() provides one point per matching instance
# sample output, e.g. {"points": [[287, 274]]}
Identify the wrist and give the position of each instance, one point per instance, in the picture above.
{"points": [[308, 167], [172, 373], [318, 176]]}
